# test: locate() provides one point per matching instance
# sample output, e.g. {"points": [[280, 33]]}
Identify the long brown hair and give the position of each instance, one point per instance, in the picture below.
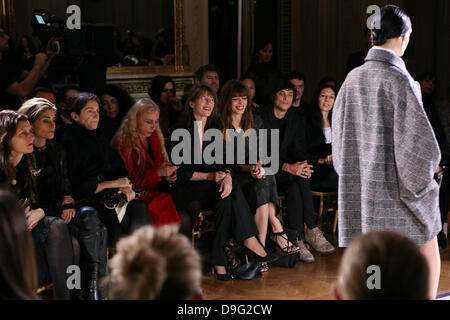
{"points": [[9, 120], [232, 89], [18, 273]]}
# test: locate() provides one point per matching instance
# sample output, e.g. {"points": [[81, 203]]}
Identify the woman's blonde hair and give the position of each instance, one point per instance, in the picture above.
{"points": [[154, 263], [403, 270], [128, 132], [34, 108]]}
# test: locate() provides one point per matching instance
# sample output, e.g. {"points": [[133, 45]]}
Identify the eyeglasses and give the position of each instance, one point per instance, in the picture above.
{"points": [[168, 90], [207, 100]]}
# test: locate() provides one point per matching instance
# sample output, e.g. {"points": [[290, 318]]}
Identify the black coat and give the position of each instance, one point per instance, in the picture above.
{"points": [[52, 178], [90, 160], [292, 147]]}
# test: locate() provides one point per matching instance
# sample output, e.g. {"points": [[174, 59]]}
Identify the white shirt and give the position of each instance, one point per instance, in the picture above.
{"points": [[327, 133]]}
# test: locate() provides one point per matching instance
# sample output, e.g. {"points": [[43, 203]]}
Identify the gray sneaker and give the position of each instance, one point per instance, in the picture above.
{"points": [[305, 255], [317, 240]]}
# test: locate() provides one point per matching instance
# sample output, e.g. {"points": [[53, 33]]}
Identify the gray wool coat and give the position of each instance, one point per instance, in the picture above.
{"points": [[385, 153]]}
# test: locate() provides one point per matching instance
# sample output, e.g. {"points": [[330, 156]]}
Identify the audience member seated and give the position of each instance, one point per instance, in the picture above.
{"points": [[12, 88], [115, 103], [62, 100], [249, 82], [52, 241], [44, 93], [318, 138], [55, 195], [97, 173], [208, 75], [201, 186], [137, 49], [18, 273], [294, 170], [263, 69], [155, 264], [260, 189], [428, 87], [140, 143], [382, 265], [163, 93], [298, 80]]}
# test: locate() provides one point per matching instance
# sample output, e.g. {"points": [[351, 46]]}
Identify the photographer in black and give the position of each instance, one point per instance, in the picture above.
{"points": [[11, 88]]}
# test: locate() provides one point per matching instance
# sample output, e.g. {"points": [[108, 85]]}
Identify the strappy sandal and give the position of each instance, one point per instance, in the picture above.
{"points": [[289, 248]]}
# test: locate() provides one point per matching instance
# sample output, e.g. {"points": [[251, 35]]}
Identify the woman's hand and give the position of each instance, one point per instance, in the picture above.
{"points": [[33, 217], [257, 171], [301, 169], [176, 104], [226, 186], [129, 192], [172, 179], [219, 176], [167, 170], [122, 183], [328, 160]]}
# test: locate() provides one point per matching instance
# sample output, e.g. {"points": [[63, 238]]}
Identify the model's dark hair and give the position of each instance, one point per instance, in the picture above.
{"points": [[157, 87], [18, 273], [207, 68], [427, 76], [79, 101], [232, 89], [394, 23]]}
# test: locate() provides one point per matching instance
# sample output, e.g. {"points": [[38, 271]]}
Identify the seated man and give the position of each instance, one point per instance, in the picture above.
{"points": [[294, 171], [209, 76]]}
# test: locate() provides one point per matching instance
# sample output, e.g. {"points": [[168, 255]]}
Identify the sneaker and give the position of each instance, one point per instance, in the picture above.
{"points": [[304, 253], [317, 240]]}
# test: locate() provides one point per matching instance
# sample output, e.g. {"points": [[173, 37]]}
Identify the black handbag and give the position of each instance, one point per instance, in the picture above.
{"points": [[239, 266]]}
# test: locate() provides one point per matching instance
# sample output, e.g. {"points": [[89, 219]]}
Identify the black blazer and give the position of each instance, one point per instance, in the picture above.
{"points": [[292, 147]]}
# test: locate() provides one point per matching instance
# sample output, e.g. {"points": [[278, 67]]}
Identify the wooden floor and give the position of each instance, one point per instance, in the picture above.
{"points": [[303, 282]]}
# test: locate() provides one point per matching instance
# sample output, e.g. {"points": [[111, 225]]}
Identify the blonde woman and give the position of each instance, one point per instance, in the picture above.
{"points": [[141, 145], [155, 264]]}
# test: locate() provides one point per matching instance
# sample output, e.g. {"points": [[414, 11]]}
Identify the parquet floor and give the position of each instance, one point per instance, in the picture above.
{"points": [[302, 282]]}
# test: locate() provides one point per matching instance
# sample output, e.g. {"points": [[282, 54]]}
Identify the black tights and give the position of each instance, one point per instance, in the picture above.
{"points": [[58, 253]]}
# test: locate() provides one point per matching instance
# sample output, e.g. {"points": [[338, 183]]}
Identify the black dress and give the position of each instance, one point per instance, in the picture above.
{"points": [[90, 161], [258, 192], [234, 219]]}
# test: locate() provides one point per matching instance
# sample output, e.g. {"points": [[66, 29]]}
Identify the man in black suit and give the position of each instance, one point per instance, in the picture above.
{"points": [[294, 171]]}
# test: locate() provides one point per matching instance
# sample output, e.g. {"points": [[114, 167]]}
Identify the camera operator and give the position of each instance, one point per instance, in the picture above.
{"points": [[11, 88]]}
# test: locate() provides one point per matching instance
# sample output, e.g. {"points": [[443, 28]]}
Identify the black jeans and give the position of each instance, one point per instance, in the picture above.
{"points": [[136, 216], [233, 219], [300, 209]]}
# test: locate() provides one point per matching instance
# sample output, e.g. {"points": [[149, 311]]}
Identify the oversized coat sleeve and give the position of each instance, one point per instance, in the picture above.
{"points": [[338, 130], [416, 152]]}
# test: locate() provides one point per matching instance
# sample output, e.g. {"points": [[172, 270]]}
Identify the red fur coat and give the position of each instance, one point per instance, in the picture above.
{"points": [[160, 204]]}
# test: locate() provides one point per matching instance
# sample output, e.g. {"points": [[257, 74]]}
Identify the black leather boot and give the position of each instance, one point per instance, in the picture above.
{"points": [[90, 248]]}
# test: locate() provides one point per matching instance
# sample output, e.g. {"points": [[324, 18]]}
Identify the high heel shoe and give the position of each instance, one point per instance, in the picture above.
{"points": [[288, 249], [222, 277], [251, 254]]}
